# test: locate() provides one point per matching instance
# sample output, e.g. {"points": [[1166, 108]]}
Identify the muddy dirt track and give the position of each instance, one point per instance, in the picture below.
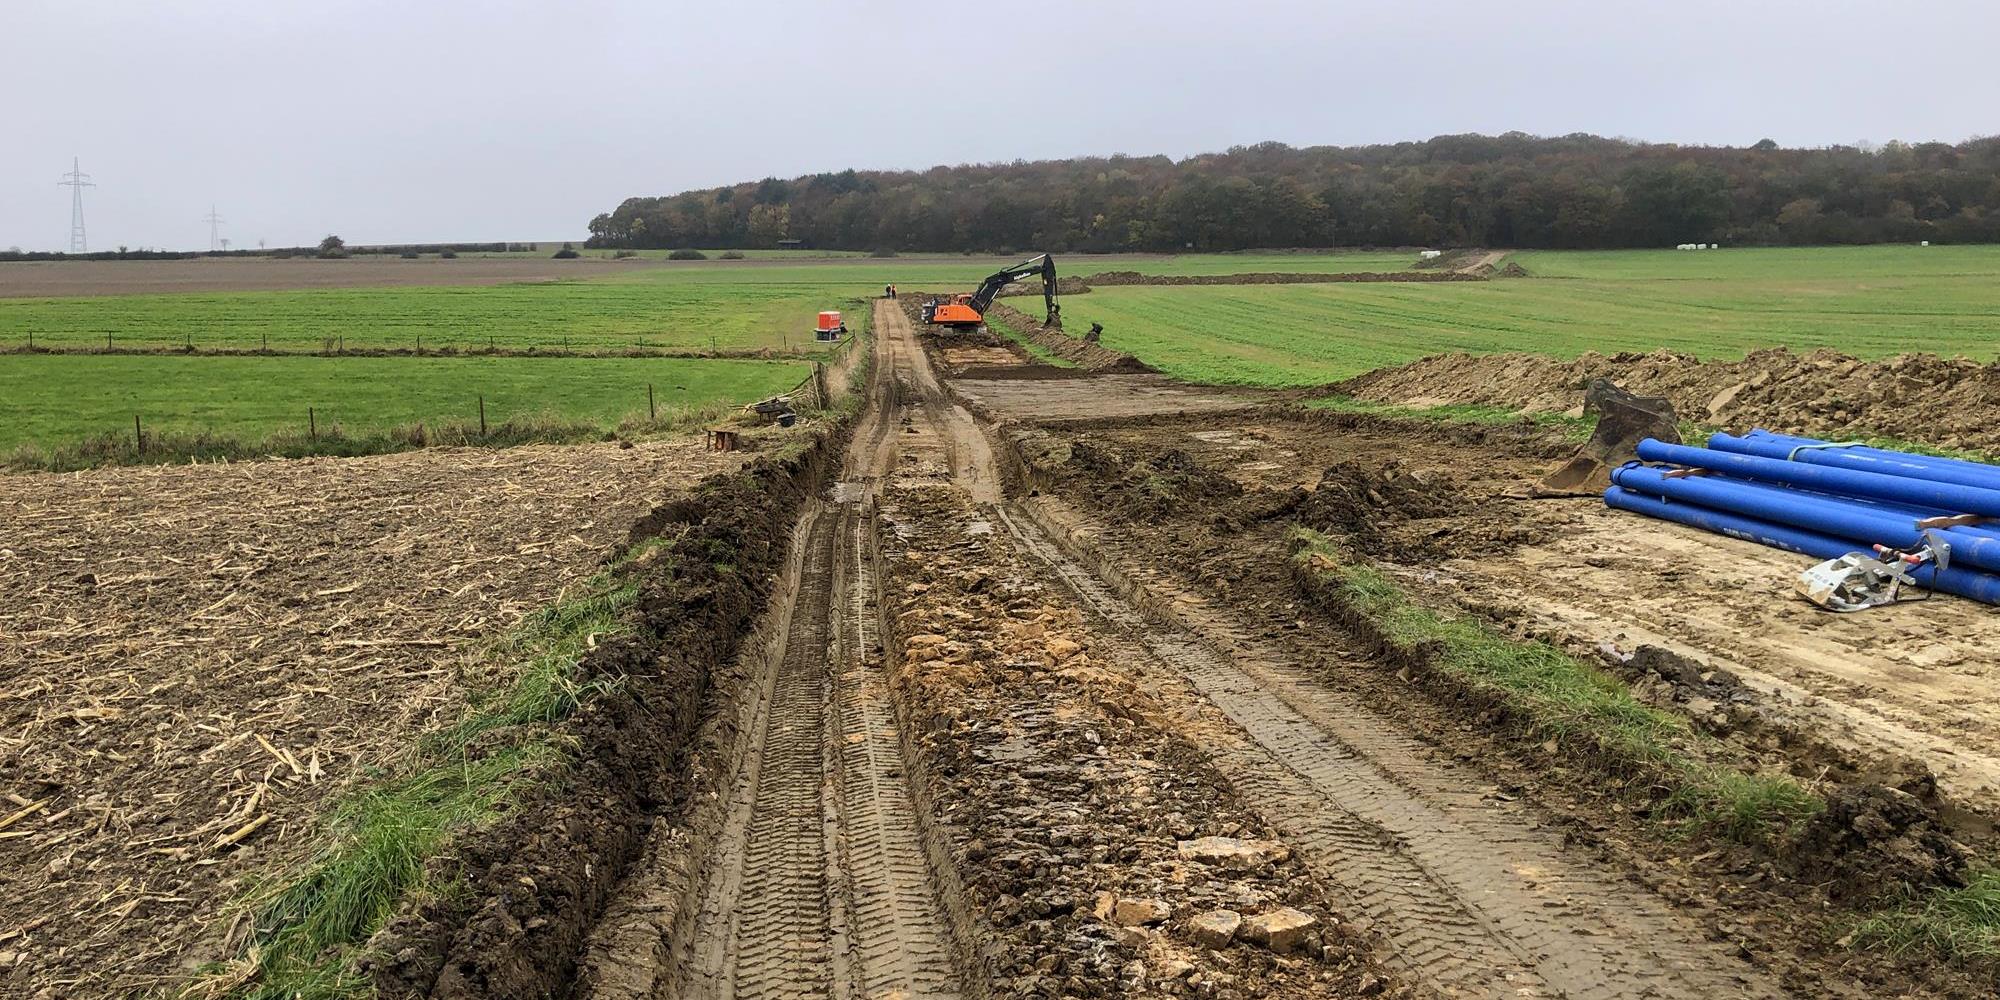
{"points": [[190, 653], [979, 751]]}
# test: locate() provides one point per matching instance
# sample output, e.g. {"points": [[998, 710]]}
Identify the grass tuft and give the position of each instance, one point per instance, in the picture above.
{"points": [[1578, 428], [1955, 923], [1570, 700]]}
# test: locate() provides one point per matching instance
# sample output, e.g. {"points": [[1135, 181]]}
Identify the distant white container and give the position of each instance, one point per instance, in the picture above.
{"points": [[1429, 254], [1925, 243]]}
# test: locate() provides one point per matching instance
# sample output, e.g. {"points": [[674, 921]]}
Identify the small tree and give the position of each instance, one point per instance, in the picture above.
{"points": [[567, 252], [332, 247]]}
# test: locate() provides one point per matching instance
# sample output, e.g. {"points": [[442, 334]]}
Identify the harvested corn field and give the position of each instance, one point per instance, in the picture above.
{"points": [[199, 660]]}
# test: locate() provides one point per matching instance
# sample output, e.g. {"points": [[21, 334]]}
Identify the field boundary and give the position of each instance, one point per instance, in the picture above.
{"points": [[176, 351]]}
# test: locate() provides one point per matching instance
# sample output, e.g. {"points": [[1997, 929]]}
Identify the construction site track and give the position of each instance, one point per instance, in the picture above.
{"points": [[813, 872], [825, 876], [1468, 892], [820, 885]]}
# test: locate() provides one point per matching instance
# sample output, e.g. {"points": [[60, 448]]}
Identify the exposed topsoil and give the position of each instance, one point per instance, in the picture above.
{"points": [[1946, 403], [1210, 507], [1081, 814], [197, 653]]}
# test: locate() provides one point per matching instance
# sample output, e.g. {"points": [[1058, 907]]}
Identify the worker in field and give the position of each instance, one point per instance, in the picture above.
{"points": [[888, 291]]}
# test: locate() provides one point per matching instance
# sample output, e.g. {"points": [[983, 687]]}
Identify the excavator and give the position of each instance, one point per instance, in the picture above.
{"points": [[969, 311]]}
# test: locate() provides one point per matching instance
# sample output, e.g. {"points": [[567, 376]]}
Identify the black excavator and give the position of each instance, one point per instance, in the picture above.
{"points": [[967, 312]]}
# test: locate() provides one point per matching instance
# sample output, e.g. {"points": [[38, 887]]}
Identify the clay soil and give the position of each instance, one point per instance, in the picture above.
{"points": [[190, 652], [1916, 681], [1909, 690]]}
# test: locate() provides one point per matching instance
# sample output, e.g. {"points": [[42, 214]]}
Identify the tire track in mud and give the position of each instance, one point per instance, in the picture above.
{"points": [[1471, 898], [890, 900], [816, 874], [820, 885], [754, 857]]}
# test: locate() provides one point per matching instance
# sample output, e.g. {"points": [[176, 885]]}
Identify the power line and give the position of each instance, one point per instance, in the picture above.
{"points": [[76, 180], [214, 231]]}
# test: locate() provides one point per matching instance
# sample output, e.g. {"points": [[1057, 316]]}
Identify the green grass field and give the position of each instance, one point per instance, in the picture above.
{"points": [[576, 315], [46, 399], [1870, 301], [1867, 301], [762, 304]]}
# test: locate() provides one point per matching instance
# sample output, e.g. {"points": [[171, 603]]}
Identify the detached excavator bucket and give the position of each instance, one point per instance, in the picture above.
{"points": [[1623, 420]]}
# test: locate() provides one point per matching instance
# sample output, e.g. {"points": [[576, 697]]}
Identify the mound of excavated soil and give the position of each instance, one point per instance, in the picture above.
{"points": [[1168, 483], [1108, 278], [1947, 403], [1077, 351]]}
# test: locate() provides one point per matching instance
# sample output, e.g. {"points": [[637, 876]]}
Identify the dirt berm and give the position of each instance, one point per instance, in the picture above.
{"points": [[1075, 350], [1943, 402], [536, 882], [1108, 278]]}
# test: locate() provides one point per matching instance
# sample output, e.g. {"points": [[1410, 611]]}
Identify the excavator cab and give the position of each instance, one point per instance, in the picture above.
{"points": [[958, 312]]}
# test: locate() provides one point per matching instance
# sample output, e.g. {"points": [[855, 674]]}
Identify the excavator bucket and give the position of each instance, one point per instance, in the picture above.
{"points": [[1623, 420]]}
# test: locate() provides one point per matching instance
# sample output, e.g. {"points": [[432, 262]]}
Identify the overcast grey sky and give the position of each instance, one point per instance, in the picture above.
{"points": [[419, 120]]}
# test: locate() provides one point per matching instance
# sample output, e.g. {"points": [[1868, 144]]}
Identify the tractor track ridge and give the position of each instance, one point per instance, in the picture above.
{"points": [[820, 875]]}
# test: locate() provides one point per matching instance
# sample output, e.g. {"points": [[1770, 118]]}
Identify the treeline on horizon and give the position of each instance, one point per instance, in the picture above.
{"points": [[1512, 190]]}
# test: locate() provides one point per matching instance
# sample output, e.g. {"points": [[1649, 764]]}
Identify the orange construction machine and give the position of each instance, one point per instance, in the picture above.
{"points": [[969, 311], [830, 327]]}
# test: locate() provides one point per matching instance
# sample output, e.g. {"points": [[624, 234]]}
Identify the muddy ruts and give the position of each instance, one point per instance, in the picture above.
{"points": [[820, 880], [536, 882], [1473, 900]]}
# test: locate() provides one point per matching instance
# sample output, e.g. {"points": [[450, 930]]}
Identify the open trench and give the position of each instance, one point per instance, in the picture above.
{"points": [[820, 869]]}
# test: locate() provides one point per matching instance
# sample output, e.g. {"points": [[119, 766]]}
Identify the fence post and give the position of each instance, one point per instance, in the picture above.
{"points": [[107, 340], [652, 412], [312, 425], [267, 341], [138, 436], [482, 414]]}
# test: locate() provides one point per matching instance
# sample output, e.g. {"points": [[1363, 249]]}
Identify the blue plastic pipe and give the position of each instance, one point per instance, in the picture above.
{"points": [[1986, 473], [1860, 458], [1824, 479], [1967, 583], [1855, 522]]}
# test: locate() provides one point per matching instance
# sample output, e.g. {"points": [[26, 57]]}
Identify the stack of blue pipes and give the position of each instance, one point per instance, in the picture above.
{"points": [[1824, 500]]}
